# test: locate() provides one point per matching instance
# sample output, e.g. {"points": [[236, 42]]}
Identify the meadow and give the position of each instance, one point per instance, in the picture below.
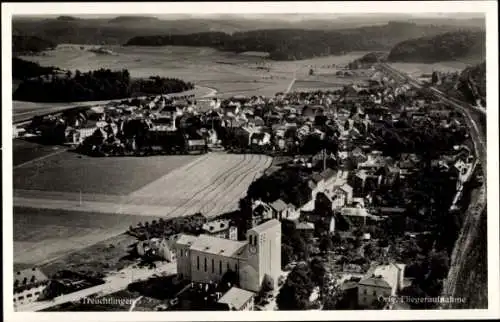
{"points": [[72, 172], [229, 73]]}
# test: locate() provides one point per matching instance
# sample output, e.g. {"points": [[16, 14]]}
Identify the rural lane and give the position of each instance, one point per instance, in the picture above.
{"points": [[114, 283]]}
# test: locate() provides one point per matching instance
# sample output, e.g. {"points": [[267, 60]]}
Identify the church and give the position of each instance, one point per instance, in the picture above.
{"points": [[257, 261]]}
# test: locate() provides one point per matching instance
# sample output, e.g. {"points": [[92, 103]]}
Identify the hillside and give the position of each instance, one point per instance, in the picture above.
{"points": [[457, 45], [22, 69], [468, 85], [118, 30], [368, 60], [30, 44], [293, 44]]}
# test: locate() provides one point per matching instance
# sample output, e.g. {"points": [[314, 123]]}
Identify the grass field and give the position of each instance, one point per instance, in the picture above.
{"points": [[42, 235], [417, 69], [71, 172], [229, 73], [24, 151], [49, 224]]}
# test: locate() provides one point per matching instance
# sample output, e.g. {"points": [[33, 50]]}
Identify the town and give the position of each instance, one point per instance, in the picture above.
{"points": [[363, 200]]}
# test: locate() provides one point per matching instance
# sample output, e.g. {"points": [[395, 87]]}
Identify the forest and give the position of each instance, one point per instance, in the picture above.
{"points": [[447, 46], [22, 69], [30, 44], [102, 84], [295, 44]]}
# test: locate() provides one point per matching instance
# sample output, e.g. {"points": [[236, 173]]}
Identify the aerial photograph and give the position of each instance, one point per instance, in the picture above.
{"points": [[249, 162]]}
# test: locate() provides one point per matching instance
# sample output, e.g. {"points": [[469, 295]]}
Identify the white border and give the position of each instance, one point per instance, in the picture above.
{"points": [[489, 8]]}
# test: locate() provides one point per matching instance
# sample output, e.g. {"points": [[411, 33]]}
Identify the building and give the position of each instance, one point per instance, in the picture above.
{"points": [[282, 210], [29, 284], [157, 247], [221, 229], [257, 261], [238, 299], [380, 281]]}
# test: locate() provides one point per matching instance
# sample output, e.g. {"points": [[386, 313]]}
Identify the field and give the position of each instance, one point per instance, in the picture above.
{"points": [[71, 172], [417, 69], [49, 223], [42, 235], [230, 74]]}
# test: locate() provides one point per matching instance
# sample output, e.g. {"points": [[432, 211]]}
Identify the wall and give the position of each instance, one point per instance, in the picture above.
{"points": [[198, 273], [372, 294]]}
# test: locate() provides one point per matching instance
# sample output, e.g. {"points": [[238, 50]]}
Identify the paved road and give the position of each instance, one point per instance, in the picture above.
{"points": [[114, 283]]}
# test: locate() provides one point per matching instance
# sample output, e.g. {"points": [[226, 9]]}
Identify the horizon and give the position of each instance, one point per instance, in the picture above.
{"points": [[264, 16]]}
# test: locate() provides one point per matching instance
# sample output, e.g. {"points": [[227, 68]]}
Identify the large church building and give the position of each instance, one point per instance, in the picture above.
{"points": [[257, 261]]}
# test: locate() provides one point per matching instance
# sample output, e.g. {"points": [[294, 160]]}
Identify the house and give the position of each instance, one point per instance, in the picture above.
{"points": [[283, 210], [380, 281], [260, 138], [29, 284], [238, 299], [257, 261], [341, 196], [221, 229], [305, 228], [261, 211], [157, 247]]}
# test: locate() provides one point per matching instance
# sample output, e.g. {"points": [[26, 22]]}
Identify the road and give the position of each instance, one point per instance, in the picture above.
{"points": [[114, 283]]}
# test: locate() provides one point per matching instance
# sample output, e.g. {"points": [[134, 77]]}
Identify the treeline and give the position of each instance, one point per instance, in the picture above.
{"points": [[368, 60], [30, 44], [102, 84], [22, 69], [293, 44], [472, 83], [446, 46]]}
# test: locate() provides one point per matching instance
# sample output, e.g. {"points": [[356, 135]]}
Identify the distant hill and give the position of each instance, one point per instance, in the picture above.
{"points": [[118, 30], [67, 18], [121, 19], [456, 45], [30, 44], [292, 44]]}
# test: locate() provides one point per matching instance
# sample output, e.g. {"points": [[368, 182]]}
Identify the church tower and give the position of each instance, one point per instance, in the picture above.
{"points": [[264, 256]]}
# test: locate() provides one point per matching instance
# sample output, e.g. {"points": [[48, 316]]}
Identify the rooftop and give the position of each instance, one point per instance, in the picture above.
{"points": [[236, 297], [278, 205], [186, 239], [216, 226], [29, 276], [267, 225], [219, 246], [375, 281]]}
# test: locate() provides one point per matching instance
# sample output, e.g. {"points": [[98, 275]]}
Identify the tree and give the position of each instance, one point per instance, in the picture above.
{"points": [[287, 255], [325, 243], [318, 272], [294, 295], [311, 72]]}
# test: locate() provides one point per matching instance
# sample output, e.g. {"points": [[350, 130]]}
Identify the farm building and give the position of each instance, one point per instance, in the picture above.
{"points": [[29, 284]]}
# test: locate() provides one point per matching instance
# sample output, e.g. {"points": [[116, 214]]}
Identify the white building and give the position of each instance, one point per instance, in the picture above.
{"points": [[256, 261], [29, 284]]}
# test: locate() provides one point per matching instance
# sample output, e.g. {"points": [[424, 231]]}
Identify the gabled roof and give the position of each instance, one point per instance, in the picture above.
{"points": [[236, 297], [376, 282], [185, 239], [278, 205]]}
